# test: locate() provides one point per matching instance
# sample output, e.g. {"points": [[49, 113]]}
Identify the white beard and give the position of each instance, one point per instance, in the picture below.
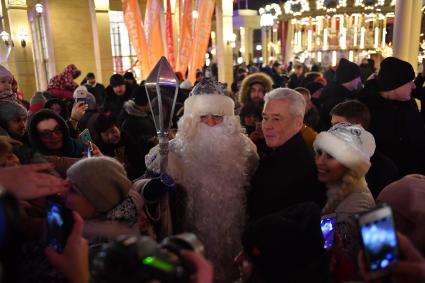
{"points": [[215, 166]]}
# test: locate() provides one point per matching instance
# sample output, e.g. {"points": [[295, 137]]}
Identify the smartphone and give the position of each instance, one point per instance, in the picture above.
{"points": [[327, 223], [378, 238], [81, 99], [59, 221], [85, 137]]}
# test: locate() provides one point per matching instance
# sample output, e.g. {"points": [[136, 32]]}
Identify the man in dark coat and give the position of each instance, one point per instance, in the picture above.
{"points": [[297, 76], [95, 88], [382, 171], [348, 82], [13, 120], [117, 93], [138, 127], [286, 173], [396, 122]]}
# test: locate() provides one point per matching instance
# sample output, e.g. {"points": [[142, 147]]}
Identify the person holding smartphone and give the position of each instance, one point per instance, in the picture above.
{"points": [[342, 160], [409, 268]]}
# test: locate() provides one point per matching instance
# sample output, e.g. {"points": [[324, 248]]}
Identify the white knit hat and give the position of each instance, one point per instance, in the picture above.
{"points": [[80, 91], [208, 97], [349, 144]]}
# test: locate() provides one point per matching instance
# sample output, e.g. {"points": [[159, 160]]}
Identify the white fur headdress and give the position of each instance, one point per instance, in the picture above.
{"points": [[350, 144], [208, 97]]}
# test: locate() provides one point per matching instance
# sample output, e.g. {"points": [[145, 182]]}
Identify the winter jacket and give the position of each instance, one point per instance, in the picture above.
{"points": [[139, 129], [114, 103], [285, 176]]}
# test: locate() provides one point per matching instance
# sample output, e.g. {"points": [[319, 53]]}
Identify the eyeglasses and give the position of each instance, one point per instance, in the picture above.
{"points": [[48, 134]]}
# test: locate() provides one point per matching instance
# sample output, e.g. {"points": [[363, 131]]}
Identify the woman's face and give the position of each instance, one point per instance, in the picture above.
{"points": [[74, 200], [329, 170]]}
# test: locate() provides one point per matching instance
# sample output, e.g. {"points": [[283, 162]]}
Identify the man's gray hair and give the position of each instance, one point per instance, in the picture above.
{"points": [[296, 100]]}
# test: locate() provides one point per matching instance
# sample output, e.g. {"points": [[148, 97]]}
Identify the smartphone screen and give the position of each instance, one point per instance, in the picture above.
{"points": [[379, 238], [327, 223], [85, 137], [59, 225]]}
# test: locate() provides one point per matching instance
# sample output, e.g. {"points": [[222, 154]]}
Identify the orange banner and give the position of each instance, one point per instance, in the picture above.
{"points": [[155, 44], [170, 38], [185, 37], [202, 36], [133, 22]]}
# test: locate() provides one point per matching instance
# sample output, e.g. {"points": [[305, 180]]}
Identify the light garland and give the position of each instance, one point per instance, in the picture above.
{"points": [[369, 4], [330, 5], [296, 7]]}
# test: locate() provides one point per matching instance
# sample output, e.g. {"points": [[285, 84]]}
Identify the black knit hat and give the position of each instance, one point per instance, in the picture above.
{"points": [[287, 244], [394, 73], [129, 76], [140, 95], [346, 71], [314, 86], [116, 80]]}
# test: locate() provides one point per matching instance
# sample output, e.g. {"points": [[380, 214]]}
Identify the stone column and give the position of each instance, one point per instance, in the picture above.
{"points": [[224, 29], [250, 44], [402, 33], [102, 36], [264, 44], [414, 33], [21, 60]]}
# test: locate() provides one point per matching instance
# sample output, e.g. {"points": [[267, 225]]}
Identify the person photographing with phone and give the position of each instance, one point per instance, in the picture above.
{"points": [[342, 160]]}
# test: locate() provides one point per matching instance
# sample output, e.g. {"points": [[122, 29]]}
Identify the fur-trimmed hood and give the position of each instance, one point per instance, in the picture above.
{"points": [[261, 78]]}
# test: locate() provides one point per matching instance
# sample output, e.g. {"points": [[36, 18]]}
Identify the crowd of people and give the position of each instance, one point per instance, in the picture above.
{"points": [[249, 172]]}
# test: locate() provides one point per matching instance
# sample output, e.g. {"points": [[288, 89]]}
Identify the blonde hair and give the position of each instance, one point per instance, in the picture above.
{"points": [[351, 182]]}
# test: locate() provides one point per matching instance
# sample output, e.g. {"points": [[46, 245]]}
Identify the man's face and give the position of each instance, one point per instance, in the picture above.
{"points": [[119, 90], [5, 84], [56, 108], [211, 120], [17, 126], [111, 136], [357, 83], [298, 71], [91, 81], [51, 134], [402, 93], [130, 81], [278, 124], [257, 93], [338, 119]]}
